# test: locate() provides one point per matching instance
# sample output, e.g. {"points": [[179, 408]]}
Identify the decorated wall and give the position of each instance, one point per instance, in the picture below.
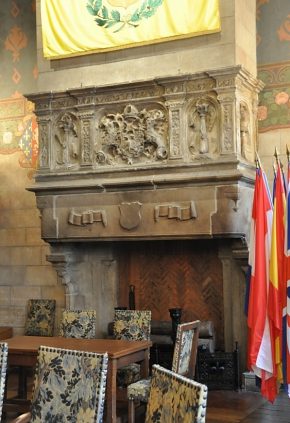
{"points": [[273, 56], [24, 271]]}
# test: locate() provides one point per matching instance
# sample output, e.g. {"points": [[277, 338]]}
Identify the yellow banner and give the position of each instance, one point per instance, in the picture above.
{"points": [[75, 27]]}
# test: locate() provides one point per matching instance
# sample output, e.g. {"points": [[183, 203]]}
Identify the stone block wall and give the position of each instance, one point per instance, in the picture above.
{"points": [[24, 270]]}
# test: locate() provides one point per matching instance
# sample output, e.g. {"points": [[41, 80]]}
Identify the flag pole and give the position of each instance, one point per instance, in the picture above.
{"points": [[258, 161], [287, 153]]}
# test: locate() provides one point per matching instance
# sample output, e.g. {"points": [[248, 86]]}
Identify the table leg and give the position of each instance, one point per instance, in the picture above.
{"points": [[111, 408]]}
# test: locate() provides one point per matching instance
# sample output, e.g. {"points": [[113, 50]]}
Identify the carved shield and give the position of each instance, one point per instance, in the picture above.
{"points": [[130, 215]]}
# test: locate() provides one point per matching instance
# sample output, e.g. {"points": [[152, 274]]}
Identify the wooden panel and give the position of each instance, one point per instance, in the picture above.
{"points": [[167, 274]]}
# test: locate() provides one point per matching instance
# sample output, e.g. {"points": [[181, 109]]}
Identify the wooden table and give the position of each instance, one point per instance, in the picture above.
{"points": [[5, 332], [22, 351]]}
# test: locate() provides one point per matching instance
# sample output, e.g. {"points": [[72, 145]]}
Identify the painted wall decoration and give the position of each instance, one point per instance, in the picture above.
{"points": [[273, 57], [18, 75], [274, 100], [273, 31]]}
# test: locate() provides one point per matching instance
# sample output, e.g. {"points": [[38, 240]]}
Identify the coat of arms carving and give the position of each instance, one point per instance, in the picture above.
{"points": [[130, 215], [132, 136]]}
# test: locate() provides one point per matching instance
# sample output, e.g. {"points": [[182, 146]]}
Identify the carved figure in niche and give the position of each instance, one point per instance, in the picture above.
{"points": [[204, 128], [132, 136], [66, 137], [246, 144]]}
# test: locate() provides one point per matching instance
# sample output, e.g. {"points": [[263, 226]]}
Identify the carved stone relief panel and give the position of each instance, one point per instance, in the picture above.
{"points": [[132, 135], [167, 123], [66, 141], [246, 133], [44, 137], [203, 128], [228, 114], [86, 136]]}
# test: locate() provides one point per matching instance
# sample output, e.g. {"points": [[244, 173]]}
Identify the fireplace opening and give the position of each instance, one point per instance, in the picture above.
{"points": [[186, 274]]}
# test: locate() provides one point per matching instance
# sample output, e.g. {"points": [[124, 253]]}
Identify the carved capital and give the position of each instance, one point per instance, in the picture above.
{"points": [[64, 264]]}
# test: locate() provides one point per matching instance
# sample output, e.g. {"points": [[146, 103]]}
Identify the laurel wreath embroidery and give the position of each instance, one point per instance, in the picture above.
{"points": [[108, 18]]}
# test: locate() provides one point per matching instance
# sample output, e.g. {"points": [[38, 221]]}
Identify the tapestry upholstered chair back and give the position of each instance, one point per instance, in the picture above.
{"points": [[40, 317], [175, 398], [185, 349], [69, 386], [78, 324], [3, 370], [183, 363], [131, 325]]}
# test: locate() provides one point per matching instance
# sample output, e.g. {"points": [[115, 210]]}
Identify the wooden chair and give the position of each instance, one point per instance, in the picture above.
{"points": [[69, 386], [132, 325], [175, 398], [78, 324], [3, 370], [183, 363], [40, 317]]}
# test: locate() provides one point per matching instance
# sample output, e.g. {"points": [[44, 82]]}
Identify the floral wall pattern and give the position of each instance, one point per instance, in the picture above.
{"points": [[18, 75], [273, 55]]}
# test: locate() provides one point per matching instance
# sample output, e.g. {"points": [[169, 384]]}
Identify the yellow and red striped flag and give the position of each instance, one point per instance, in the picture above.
{"points": [[277, 277]]}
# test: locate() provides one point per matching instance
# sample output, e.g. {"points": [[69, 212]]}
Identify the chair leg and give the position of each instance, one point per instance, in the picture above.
{"points": [[131, 411], [22, 382]]}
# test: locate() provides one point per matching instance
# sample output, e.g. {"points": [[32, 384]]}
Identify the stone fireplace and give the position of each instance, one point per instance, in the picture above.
{"points": [[150, 183]]}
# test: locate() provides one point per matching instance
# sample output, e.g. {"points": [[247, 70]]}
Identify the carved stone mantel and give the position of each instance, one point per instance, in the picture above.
{"points": [[178, 143], [171, 158]]}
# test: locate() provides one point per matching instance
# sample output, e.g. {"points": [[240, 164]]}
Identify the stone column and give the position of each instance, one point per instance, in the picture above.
{"points": [[234, 261]]}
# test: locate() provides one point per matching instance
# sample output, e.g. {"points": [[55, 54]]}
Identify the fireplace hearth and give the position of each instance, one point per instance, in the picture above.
{"points": [[168, 161]]}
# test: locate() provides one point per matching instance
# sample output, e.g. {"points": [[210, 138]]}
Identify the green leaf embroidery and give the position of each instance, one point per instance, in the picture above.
{"points": [[107, 18]]}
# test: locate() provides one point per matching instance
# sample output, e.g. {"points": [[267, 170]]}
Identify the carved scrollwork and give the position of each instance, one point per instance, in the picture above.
{"points": [[87, 217], [132, 136], [43, 144], [175, 211], [66, 140]]}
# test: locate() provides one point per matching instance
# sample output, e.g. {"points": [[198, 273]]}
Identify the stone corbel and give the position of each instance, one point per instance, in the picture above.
{"points": [[234, 195], [62, 263]]}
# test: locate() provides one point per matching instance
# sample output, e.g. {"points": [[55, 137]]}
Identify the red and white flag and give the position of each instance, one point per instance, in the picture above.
{"points": [[260, 343], [286, 302]]}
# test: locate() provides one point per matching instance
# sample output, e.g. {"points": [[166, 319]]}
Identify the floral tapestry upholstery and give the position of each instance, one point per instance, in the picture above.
{"points": [[3, 367], [132, 325], [78, 324], [185, 350], [40, 317], [69, 386], [139, 391], [184, 345], [175, 398]]}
